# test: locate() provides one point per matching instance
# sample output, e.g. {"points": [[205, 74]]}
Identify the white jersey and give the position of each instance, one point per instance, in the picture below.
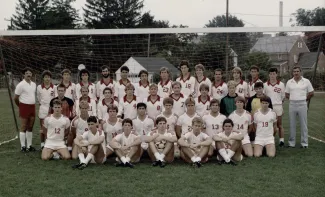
{"points": [[120, 89], [112, 130], [171, 122], [143, 127], [141, 91], [56, 127], [91, 88], [230, 142], [70, 91], [241, 122], [179, 107], [128, 108], [80, 124], [45, 95], [276, 92], [125, 140], [164, 90], [220, 91], [264, 123], [192, 139], [202, 108], [153, 108], [206, 81], [26, 92], [89, 136], [213, 124], [251, 84], [102, 113], [186, 122], [242, 89], [188, 85], [92, 107], [101, 85]]}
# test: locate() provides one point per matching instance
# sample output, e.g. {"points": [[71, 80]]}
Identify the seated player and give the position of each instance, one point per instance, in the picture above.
{"points": [[265, 124], [154, 102], [112, 126], [161, 147], [202, 102], [195, 144], [228, 143], [56, 129], [92, 107], [143, 86], [201, 79], [179, 99], [90, 145], [127, 145], [108, 100], [165, 84], [228, 104], [243, 123], [128, 104], [184, 122]]}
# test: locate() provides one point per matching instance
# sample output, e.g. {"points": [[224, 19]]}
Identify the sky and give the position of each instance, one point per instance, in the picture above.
{"points": [[197, 13]]}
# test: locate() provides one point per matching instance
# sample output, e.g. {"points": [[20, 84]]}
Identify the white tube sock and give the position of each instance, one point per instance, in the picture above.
{"points": [[22, 137]]}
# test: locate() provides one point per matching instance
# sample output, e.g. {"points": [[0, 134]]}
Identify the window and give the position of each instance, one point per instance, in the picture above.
{"points": [[279, 56], [299, 45]]}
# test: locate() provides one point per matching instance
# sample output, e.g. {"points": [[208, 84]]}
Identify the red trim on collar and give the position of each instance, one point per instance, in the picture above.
{"points": [[199, 99], [241, 82], [125, 100], [214, 84], [181, 96], [204, 78], [103, 82], [43, 86], [149, 99], [140, 84], [70, 84], [269, 83], [188, 78], [165, 82], [251, 82], [103, 102], [121, 82], [89, 83], [89, 99]]}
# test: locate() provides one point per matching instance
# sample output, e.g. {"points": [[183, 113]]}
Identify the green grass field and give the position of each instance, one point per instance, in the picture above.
{"points": [[293, 172]]}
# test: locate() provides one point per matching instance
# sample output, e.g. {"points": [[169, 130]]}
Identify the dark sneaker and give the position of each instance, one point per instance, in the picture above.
{"points": [[220, 162], [156, 163], [31, 149], [304, 147], [162, 164], [82, 166], [281, 144], [231, 162], [119, 165], [76, 166], [23, 149], [128, 164], [197, 164], [290, 146]]}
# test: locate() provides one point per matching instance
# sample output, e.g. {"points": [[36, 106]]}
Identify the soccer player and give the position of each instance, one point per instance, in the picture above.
{"points": [[184, 122], [70, 88], [165, 84], [84, 77], [201, 79], [219, 88], [56, 129], [195, 144], [105, 82], [161, 148], [112, 126], [90, 145], [44, 93], [121, 84], [202, 102], [102, 106], [128, 104], [92, 110], [253, 103], [142, 124], [228, 143], [171, 118], [154, 102], [143, 86], [227, 104], [242, 86], [127, 145], [179, 99], [243, 123], [254, 71], [187, 81], [25, 100], [275, 89], [67, 103], [265, 124]]}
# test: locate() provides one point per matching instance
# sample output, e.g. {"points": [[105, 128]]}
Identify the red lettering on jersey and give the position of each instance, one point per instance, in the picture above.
{"points": [[188, 86], [52, 93], [277, 90], [240, 126], [134, 106], [158, 107], [165, 89], [215, 126], [57, 130], [265, 124], [240, 90], [72, 92]]}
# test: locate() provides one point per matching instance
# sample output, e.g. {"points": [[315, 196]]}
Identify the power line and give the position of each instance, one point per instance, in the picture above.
{"points": [[234, 13]]}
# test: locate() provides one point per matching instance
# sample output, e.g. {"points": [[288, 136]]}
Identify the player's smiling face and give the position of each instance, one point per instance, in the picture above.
{"points": [[227, 127], [107, 94], [129, 91], [92, 126], [84, 92], [176, 89], [273, 76], [236, 75], [46, 79], [214, 107], [190, 107], [161, 126], [112, 113], [259, 91], [239, 105], [264, 105], [164, 75], [199, 72], [84, 76], [153, 91], [296, 73]]}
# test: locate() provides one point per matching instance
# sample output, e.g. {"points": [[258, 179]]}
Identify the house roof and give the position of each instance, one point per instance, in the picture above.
{"points": [[279, 44], [153, 64], [307, 60]]}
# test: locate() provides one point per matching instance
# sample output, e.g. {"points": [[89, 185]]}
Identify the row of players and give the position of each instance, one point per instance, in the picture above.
{"points": [[194, 138]]}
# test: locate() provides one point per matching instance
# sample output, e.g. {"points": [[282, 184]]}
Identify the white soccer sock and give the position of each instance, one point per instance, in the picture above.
{"points": [[230, 153], [56, 155], [81, 157], [123, 159], [29, 137], [127, 159], [281, 139], [198, 159], [69, 148], [162, 157], [193, 159], [224, 154], [22, 137], [157, 156], [89, 158]]}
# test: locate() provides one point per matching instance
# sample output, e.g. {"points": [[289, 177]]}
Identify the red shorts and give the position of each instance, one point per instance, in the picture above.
{"points": [[26, 110]]}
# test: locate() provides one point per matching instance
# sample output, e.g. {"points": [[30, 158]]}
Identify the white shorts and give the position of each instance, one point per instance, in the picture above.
{"points": [[246, 140], [43, 111], [54, 144], [144, 146], [278, 109], [264, 141]]}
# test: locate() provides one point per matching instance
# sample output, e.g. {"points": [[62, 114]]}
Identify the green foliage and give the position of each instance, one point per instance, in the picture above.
{"points": [[260, 59]]}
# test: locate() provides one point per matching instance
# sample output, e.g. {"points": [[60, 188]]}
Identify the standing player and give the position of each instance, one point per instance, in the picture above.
{"points": [[227, 104], [128, 104], [154, 102], [219, 88], [121, 84], [265, 124], [142, 87], [102, 106], [92, 110], [254, 71], [90, 144], [84, 77], [67, 103], [69, 86], [165, 84], [105, 82], [56, 130], [243, 123], [275, 89], [187, 81], [242, 86], [45, 93], [25, 100], [127, 145], [201, 79], [202, 102], [179, 99], [195, 144]]}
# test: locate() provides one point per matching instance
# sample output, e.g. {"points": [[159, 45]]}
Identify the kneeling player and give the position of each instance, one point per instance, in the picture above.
{"points": [[228, 143], [161, 147], [195, 144], [127, 145], [265, 124], [56, 128], [90, 144]]}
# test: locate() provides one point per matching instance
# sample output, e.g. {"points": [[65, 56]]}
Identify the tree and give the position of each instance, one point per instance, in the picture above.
{"points": [[261, 59], [148, 21], [30, 15]]}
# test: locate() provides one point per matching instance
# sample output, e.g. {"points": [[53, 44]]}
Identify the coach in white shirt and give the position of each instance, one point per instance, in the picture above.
{"points": [[298, 90], [25, 100]]}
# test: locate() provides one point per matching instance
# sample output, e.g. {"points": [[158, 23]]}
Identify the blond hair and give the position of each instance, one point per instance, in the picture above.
{"points": [[197, 120], [231, 83]]}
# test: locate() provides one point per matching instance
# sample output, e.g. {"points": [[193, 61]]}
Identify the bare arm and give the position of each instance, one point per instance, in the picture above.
{"points": [[183, 143], [169, 139], [178, 131], [274, 128], [217, 138], [16, 99], [239, 136], [206, 142], [287, 95], [97, 141], [148, 139], [114, 144], [77, 141], [309, 95]]}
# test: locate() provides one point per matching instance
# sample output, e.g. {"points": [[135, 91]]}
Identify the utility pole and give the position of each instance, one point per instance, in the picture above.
{"points": [[227, 40], [10, 22]]}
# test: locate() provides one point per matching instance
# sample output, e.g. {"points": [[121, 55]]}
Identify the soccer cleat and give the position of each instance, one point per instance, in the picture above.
{"points": [[82, 166], [156, 163], [119, 165], [76, 166], [31, 149], [197, 164], [290, 146], [281, 144], [23, 149], [304, 147], [162, 164], [128, 164], [231, 162], [220, 162]]}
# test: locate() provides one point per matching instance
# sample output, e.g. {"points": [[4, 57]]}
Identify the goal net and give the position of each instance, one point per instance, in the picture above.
{"points": [[151, 49]]}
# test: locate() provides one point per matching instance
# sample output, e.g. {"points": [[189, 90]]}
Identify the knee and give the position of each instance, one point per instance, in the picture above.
{"points": [[45, 157], [66, 157], [270, 154], [249, 154], [257, 154]]}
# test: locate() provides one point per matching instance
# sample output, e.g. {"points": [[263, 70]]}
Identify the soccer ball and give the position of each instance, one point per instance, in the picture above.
{"points": [[160, 145]]}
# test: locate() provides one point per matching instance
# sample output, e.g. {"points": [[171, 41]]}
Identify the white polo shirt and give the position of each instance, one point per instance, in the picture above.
{"points": [[298, 91], [26, 92]]}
